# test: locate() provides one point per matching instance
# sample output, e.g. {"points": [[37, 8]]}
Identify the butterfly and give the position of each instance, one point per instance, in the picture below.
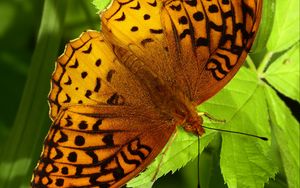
{"points": [[118, 95]]}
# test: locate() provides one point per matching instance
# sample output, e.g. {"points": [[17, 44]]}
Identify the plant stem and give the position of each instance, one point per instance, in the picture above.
{"points": [[264, 64], [250, 63]]}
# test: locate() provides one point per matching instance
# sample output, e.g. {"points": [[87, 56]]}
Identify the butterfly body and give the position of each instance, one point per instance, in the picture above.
{"points": [[171, 102], [117, 95]]}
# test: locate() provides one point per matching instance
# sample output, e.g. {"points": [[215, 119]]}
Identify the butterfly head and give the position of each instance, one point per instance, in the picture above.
{"points": [[194, 125], [189, 119]]}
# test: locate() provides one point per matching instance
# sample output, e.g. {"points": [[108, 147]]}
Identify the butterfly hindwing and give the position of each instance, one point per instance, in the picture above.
{"points": [[98, 147]]}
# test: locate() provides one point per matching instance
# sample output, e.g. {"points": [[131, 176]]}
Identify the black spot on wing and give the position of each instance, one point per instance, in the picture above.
{"points": [[122, 18], [213, 9], [59, 182], [97, 124], [68, 99], [88, 93], [88, 50], [108, 140], [98, 85], [146, 41], [110, 74], [98, 62], [93, 156], [72, 157], [154, 4], [82, 125], [191, 2], [69, 121], [176, 7], [116, 99], [69, 82], [59, 154], [79, 140], [75, 65], [156, 31], [84, 74], [202, 41], [137, 7], [63, 137], [185, 33]]}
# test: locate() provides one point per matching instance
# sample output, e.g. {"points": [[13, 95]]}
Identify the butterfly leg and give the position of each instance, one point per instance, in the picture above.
{"points": [[210, 117]]}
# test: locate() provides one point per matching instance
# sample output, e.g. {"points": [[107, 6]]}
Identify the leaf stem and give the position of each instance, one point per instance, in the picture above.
{"points": [[250, 63], [264, 64]]}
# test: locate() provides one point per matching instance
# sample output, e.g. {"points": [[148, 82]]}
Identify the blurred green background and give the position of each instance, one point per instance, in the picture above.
{"points": [[32, 34]]}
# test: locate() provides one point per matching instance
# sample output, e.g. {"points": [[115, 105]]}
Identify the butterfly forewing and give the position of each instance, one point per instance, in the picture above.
{"points": [[89, 73], [137, 27], [200, 44]]}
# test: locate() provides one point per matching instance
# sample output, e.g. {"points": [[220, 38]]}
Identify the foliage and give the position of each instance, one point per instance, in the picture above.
{"points": [[255, 101]]}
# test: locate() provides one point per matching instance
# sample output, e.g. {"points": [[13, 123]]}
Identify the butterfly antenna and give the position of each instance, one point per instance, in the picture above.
{"points": [[198, 166], [235, 132]]}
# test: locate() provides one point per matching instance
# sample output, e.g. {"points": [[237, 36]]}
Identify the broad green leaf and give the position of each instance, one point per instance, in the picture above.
{"points": [[244, 159], [246, 162], [286, 131], [284, 73], [102, 4], [240, 104], [285, 31]]}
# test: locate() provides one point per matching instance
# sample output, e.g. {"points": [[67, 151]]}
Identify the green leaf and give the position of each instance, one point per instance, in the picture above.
{"points": [[102, 4], [243, 159], [285, 31], [286, 131], [246, 162], [284, 73]]}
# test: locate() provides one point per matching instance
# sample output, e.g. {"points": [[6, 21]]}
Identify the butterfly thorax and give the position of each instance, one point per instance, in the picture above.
{"points": [[173, 104], [185, 115]]}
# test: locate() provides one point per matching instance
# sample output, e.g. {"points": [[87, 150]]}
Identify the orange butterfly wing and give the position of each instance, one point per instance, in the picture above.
{"points": [[196, 46], [89, 73], [211, 38], [98, 147], [100, 136]]}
